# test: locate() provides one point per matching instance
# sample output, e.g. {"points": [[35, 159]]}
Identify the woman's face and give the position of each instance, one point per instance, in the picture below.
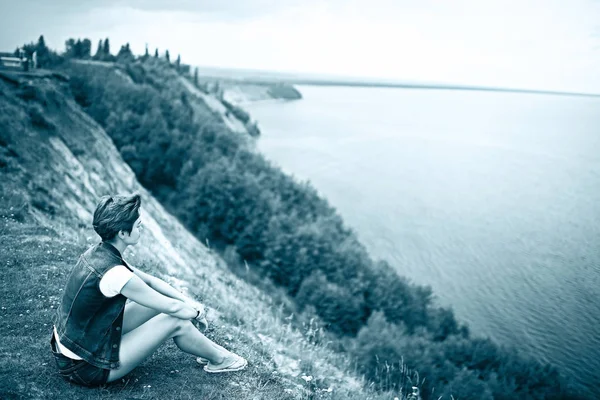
{"points": [[135, 234]]}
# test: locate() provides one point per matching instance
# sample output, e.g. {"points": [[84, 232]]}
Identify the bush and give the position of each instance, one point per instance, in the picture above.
{"points": [[237, 112], [252, 128], [467, 385], [334, 304]]}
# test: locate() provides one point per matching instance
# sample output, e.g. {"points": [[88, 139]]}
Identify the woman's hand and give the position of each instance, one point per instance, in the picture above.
{"points": [[202, 311]]}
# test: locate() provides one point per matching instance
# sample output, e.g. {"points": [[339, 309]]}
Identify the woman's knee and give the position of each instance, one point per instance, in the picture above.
{"points": [[175, 324]]}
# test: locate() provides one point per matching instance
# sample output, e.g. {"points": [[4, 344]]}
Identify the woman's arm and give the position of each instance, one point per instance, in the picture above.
{"points": [[163, 287], [137, 290]]}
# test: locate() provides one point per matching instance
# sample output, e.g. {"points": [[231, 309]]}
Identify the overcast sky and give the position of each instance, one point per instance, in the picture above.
{"points": [[537, 44]]}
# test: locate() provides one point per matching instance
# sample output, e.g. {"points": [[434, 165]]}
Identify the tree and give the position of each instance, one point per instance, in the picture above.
{"points": [[85, 49], [125, 53], [167, 56], [442, 323], [99, 51], [146, 54], [196, 76], [467, 385], [72, 48], [334, 304], [178, 62], [42, 53], [156, 53], [78, 48], [106, 50], [41, 44]]}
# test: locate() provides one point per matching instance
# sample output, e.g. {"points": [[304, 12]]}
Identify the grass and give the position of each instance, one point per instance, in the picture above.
{"points": [[35, 261]]}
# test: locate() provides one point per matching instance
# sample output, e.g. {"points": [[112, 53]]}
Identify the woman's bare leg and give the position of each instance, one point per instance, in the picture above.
{"points": [[142, 341], [137, 314]]}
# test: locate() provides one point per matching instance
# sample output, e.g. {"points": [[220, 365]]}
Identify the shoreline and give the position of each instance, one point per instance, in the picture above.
{"points": [[438, 87]]}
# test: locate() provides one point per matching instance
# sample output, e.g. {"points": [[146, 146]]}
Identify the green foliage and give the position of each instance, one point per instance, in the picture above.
{"points": [[99, 51], [334, 304], [238, 112], [125, 55], [252, 128], [467, 385], [78, 48], [106, 56]]}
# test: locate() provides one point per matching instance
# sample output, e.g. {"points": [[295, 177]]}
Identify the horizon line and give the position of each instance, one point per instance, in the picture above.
{"points": [[315, 79]]}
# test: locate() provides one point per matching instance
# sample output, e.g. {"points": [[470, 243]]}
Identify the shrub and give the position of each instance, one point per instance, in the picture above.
{"points": [[238, 112], [334, 304]]}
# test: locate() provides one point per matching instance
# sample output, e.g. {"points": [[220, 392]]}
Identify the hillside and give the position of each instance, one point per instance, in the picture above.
{"points": [[55, 162]]}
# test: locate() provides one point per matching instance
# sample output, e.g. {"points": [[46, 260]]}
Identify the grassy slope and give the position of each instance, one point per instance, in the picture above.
{"points": [[44, 200]]}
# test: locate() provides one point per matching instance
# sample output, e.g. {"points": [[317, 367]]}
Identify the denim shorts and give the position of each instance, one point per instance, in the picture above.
{"points": [[78, 371]]}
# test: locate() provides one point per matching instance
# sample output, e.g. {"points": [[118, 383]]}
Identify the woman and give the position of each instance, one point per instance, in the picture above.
{"points": [[98, 337]]}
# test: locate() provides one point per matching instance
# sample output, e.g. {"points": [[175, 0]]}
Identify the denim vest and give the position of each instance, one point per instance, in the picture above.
{"points": [[88, 323]]}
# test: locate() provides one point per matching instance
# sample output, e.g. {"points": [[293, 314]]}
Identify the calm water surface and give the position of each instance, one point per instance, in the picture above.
{"points": [[493, 199]]}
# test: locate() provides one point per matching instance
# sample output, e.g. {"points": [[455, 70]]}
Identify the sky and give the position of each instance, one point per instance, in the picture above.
{"points": [[529, 44]]}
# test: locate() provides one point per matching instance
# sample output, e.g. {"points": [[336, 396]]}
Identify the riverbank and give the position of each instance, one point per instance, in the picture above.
{"points": [[242, 93]]}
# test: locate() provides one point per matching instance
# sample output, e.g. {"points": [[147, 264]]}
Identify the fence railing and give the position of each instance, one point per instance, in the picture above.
{"points": [[13, 62]]}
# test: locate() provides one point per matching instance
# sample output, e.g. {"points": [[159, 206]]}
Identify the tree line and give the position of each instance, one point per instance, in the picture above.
{"points": [[82, 49]]}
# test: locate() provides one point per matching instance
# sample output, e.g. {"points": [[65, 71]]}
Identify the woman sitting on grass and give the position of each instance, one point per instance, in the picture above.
{"points": [[97, 337]]}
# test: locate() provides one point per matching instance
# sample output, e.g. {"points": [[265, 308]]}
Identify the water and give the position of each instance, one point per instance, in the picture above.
{"points": [[493, 199]]}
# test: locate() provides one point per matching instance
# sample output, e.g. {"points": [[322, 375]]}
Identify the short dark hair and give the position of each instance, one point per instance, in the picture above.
{"points": [[116, 213]]}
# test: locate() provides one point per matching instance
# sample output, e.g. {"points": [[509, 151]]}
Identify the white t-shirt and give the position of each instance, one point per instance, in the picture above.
{"points": [[111, 285]]}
